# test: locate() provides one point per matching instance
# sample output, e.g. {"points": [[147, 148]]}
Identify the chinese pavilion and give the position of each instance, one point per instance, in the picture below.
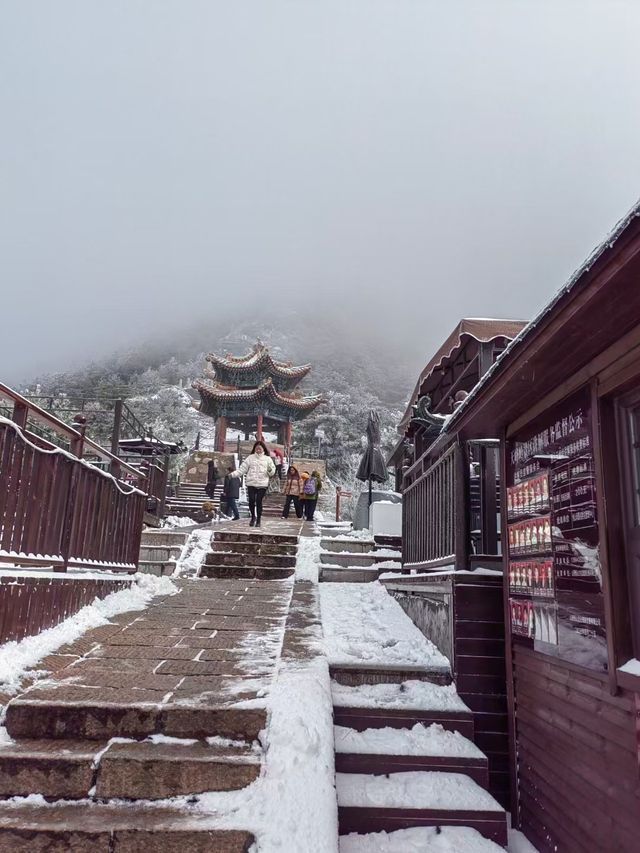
{"points": [[254, 393]]}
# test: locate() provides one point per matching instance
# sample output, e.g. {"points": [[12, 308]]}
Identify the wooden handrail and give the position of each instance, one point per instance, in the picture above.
{"points": [[28, 408]]}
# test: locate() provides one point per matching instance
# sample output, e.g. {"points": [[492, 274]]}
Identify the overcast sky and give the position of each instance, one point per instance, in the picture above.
{"points": [[160, 160]]}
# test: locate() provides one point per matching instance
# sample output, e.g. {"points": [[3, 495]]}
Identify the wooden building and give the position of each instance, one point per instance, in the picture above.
{"points": [[449, 486], [563, 401]]}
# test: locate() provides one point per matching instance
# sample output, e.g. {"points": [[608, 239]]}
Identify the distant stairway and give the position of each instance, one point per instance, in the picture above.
{"points": [[189, 498]]}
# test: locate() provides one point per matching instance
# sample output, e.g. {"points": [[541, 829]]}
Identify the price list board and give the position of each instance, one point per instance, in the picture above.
{"points": [[555, 581]]}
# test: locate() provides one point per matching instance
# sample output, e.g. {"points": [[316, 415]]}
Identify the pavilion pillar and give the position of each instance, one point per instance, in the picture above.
{"points": [[259, 428], [287, 437], [221, 433]]}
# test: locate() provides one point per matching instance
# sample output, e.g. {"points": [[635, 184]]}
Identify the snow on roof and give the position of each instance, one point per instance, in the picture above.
{"points": [[573, 281]]}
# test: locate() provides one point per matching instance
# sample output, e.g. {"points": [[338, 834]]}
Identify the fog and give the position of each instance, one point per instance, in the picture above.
{"points": [[398, 164]]}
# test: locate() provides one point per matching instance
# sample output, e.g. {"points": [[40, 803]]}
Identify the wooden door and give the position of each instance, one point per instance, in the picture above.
{"points": [[628, 429]]}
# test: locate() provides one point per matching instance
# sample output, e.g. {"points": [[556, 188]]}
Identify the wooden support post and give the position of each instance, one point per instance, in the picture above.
{"points": [[338, 493], [117, 428], [287, 437], [488, 505], [259, 428], [221, 434]]}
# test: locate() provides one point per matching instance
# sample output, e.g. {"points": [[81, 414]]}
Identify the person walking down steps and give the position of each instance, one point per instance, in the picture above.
{"points": [[291, 489], [231, 493], [311, 487], [257, 469]]}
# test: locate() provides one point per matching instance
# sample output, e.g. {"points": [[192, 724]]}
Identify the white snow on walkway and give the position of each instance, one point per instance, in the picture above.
{"points": [[18, 658], [413, 694], [420, 740], [424, 789], [308, 558], [195, 550], [422, 839], [362, 623]]}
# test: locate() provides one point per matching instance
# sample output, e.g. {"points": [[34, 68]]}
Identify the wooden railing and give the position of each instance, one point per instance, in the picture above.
{"points": [[429, 512], [56, 508], [29, 605]]}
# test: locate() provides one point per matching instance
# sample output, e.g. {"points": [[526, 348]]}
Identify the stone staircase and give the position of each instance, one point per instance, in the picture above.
{"points": [[160, 550], [245, 554], [189, 498], [346, 559], [146, 708], [405, 757]]}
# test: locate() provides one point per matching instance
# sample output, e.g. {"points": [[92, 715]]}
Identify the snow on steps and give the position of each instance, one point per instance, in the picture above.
{"points": [[387, 750], [424, 798], [32, 826], [445, 839], [401, 706]]}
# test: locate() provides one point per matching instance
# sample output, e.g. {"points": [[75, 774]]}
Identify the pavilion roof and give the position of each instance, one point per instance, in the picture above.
{"points": [[480, 329], [260, 358], [265, 391]]}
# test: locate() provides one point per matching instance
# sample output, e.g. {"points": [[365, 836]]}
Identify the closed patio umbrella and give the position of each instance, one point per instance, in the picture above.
{"points": [[372, 465]]}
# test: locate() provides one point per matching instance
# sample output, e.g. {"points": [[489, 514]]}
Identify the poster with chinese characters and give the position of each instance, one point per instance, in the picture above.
{"points": [[555, 582]]}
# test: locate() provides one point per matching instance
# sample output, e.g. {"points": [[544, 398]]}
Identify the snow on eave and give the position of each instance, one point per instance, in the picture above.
{"points": [[608, 243]]}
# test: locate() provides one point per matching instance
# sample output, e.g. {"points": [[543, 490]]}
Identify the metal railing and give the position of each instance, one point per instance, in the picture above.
{"points": [[428, 512], [58, 509]]}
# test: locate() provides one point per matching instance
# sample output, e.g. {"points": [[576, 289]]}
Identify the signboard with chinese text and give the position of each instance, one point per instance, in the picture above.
{"points": [[555, 580]]}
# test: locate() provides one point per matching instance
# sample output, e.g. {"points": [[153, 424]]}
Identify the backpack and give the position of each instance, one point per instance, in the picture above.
{"points": [[309, 487]]}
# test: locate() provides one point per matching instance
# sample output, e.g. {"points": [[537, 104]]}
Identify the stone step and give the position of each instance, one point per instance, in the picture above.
{"points": [[355, 546], [352, 560], [400, 706], [154, 771], [62, 770], [387, 750], [369, 803], [353, 674], [387, 541], [255, 572], [124, 716], [155, 567], [111, 828], [258, 535], [158, 554], [254, 548], [160, 539], [330, 575], [231, 558]]}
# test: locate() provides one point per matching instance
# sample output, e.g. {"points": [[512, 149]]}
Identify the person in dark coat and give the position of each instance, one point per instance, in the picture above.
{"points": [[231, 493], [212, 478]]}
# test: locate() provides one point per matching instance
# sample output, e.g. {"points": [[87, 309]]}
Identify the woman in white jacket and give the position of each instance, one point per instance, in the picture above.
{"points": [[257, 468]]}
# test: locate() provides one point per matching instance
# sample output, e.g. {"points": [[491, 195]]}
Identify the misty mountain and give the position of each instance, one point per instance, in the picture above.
{"points": [[354, 370]]}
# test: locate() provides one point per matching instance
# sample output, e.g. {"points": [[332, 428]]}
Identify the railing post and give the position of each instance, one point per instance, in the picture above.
{"points": [[163, 489], [20, 414], [338, 494], [117, 428], [77, 444]]}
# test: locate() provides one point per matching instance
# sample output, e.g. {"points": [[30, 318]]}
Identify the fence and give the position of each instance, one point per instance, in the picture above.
{"points": [[429, 512], [30, 605], [55, 507]]}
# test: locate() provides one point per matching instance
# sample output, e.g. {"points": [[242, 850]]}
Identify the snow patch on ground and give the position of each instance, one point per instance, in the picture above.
{"points": [[518, 843], [422, 695], [174, 521], [632, 667], [422, 839], [425, 789], [17, 659], [195, 550], [308, 559], [419, 740], [362, 623]]}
